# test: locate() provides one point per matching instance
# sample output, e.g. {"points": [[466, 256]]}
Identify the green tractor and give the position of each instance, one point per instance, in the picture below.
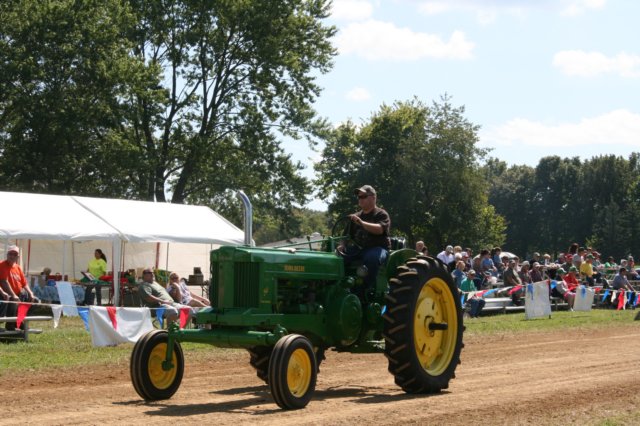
{"points": [[286, 306]]}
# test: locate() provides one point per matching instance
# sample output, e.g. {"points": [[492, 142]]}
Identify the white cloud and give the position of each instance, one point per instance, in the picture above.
{"points": [[351, 10], [358, 94], [615, 128], [377, 40], [577, 7], [487, 11], [590, 64]]}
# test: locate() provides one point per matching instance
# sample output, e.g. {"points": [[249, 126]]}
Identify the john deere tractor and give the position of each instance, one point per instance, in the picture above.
{"points": [[286, 306]]}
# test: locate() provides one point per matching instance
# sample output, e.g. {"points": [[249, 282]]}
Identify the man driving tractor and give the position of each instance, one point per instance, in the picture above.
{"points": [[369, 233]]}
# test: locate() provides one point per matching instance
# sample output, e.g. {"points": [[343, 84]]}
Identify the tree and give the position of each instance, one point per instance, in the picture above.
{"points": [[235, 75], [170, 100], [63, 67], [423, 162]]}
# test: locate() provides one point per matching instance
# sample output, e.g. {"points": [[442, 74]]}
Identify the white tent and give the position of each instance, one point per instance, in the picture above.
{"points": [[138, 229]]}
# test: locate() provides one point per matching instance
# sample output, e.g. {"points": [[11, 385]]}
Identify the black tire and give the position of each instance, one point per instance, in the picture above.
{"points": [[260, 361], [260, 356], [423, 326], [134, 361], [149, 379], [292, 372]]}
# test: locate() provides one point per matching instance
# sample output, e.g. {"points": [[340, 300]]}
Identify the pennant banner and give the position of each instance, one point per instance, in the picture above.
{"points": [[184, 316], [84, 314], [160, 315], [57, 311], [23, 308], [132, 323], [111, 310]]}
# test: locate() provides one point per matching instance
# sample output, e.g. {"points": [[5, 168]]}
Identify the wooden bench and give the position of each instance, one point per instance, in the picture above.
{"points": [[22, 334]]}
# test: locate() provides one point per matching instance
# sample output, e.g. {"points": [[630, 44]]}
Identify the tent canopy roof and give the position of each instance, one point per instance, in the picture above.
{"points": [[61, 217]]}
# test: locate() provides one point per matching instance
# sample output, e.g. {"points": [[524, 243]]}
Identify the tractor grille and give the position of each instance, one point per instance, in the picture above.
{"points": [[246, 285], [214, 284]]}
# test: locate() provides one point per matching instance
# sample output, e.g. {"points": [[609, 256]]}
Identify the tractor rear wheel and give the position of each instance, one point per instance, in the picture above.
{"points": [[423, 326], [150, 380], [292, 372], [260, 361]]}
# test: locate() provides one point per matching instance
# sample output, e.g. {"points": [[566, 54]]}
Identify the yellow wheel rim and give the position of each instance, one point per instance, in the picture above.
{"points": [[435, 348], [160, 378], [299, 373]]}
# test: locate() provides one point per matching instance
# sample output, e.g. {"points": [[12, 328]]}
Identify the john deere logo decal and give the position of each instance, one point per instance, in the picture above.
{"points": [[294, 268]]}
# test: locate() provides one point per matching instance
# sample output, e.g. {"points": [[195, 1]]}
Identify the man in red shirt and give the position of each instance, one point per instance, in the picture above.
{"points": [[13, 285]]}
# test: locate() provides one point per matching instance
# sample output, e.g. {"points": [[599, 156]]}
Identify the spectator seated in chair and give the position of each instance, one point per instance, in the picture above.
{"points": [[563, 289], [474, 304], [155, 296], [180, 292]]}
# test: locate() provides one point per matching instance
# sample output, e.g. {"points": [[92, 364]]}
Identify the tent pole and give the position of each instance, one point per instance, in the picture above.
{"points": [[166, 265], [64, 257], [116, 261], [28, 256], [157, 255], [73, 260]]}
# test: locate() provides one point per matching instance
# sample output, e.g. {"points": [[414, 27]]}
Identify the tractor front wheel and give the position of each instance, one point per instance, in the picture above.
{"points": [[292, 372], [423, 326], [152, 379]]}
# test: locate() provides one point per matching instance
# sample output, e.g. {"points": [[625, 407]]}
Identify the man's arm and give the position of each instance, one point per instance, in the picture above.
{"points": [[370, 227], [6, 288]]}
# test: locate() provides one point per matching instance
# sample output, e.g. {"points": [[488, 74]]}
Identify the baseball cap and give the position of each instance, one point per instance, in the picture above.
{"points": [[367, 189], [560, 271], [147, 270], [14, 249]]}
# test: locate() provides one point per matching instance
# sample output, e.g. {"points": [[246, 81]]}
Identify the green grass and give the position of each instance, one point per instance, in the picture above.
{"points": [[70, 346], [516, 323]]}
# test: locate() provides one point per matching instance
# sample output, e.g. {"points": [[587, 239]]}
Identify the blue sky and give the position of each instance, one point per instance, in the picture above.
{"points": [[540, 77]]}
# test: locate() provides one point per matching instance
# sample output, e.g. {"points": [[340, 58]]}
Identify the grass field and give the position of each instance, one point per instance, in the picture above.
{"points": [[70, 346]]}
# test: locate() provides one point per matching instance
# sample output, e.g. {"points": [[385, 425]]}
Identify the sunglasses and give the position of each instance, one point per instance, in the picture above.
{"points": [[362, 197]]}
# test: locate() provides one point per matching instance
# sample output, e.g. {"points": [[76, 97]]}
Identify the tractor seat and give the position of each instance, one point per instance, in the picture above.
{"points": [[398, 243]]}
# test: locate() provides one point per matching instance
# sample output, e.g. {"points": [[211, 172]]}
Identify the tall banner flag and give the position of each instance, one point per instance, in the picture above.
{"points": [[67, 299], [584, 299], [537, 304]]}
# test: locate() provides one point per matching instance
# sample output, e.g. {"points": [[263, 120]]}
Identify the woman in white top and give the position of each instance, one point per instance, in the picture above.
{"points": [[178, 289]]}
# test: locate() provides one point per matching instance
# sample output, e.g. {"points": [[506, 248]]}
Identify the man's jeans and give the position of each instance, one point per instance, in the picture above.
{"points": [[372, 258]]}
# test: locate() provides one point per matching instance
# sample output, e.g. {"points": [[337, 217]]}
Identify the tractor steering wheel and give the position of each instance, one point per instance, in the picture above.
{"points": [[342, 228]]}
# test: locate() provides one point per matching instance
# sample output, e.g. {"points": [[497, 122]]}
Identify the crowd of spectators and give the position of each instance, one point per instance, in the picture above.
{"points": [[495, 268]]}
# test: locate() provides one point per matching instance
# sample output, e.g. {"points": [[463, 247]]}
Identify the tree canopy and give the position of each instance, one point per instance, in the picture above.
{"points": [[170, 100], [593, 202], [424, 163]]}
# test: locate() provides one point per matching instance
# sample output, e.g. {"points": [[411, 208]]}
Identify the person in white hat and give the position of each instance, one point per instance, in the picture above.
{"points": [[13, 285]]}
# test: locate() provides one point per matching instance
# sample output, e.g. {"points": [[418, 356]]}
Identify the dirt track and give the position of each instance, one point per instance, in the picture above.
{"points": [[556, 378]]}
